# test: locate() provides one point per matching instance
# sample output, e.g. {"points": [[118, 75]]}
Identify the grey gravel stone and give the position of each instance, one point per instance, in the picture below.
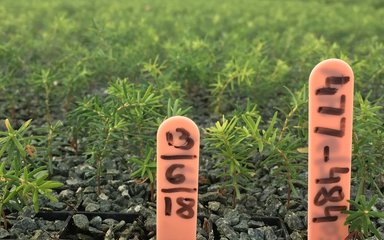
{"points": [[269, 233], [293, 221], [119, 225], [4, 233], [255, 224], [213, 206], [296, 236], [26, 224], [84, 237], [96, 222], [92, 207], [150, 224], [104, 227], [244, 236], [66, 194], [105, 205], [250, 202], [89, 189], [233, 216], [74, 182], [40, 235], [95, 231], [223, 225], [56, 205], [242, 226], [81, 221], [255, 234], [103, 196], [211, 196], [200, 237], [110, 221], [273, 204], [59, 225]]}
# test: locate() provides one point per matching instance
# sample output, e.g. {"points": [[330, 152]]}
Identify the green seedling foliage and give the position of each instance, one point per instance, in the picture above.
{"points": [[230, 152], [45, 82], [21, 180], [13, 143], [123, 123], [216, 56], [146, 169], [235, 142], [368, 136], [46, 144], [360, 218]]}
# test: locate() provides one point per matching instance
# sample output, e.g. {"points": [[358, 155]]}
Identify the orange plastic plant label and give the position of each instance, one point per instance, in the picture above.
{"points": [[178, 142], [330, 146]]}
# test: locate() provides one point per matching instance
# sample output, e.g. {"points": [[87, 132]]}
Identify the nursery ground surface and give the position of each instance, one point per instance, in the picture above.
{"points": [[98, 77]]}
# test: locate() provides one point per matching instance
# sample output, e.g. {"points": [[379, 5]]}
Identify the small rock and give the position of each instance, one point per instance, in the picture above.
{"points": [[119, 225], [66, 194], [59, 225], [293, 221], [102, 196], [150, 224], [84, 168], [214, 206], [89, 189], [269, 233], [81, 221], [105, 206], [104, 227], [137, 208], [244, 236], [250, 202], [39, 235], [113, 172], [95, 231], [121, 188], [27, 211], [225, 229], [73, 182], [211, 196], [110, 221], [92, 207], [26, 224], [96, 222], [125, 193], [4, 233], [242, 226], [296, 236], [256, 234], [200, 237], [273, 204], [232, 216], [56, 205], [82, 236], [255, 224]]}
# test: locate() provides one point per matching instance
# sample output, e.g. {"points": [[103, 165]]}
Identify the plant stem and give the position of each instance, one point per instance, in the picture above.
{"points": [[48, 116], [291, 187], [49, 148], [362, 176], [99, 159], [285, 126], [378, 189]]}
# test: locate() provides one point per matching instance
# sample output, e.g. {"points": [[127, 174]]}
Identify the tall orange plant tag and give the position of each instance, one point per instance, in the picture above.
{"points": [[178, 141], [330, 146]]}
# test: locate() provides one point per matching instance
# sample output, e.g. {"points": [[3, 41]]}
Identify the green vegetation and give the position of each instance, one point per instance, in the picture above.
{"points": [[360, 220], [22, 181], [99, 77]]}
